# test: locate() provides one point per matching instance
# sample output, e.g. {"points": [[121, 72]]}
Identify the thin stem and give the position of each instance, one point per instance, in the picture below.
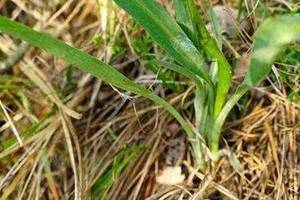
{"points": [[216, 131]]}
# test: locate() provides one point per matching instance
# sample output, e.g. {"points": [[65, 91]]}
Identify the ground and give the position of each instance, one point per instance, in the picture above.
{"points": [[65, 134]]}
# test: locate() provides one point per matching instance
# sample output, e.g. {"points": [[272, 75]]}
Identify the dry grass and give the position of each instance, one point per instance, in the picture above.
{"points": [[73, 127]]}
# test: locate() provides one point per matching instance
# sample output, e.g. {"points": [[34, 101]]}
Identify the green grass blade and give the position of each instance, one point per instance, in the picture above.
{"points": [[240, 10], [92, 65], [83, 61], [216, 26], [187, 14], [224, 71], [224, 75], [186, 17], [217, 127], [270, 39], [25, 135], [167, 33]]}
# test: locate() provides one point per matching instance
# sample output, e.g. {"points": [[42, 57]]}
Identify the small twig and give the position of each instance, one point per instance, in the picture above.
{"points": [[12, 126]]}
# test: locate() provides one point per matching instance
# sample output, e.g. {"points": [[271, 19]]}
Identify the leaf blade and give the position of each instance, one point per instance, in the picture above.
{"points": [[269, 40], [167, 33], [86, 63], [186, 13], [186, 17]]}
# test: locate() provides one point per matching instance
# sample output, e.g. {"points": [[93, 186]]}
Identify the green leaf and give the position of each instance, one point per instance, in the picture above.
{"points": [[186, 14], [270, 40], [217, 127], [216, 25], [167, 33], [92, 65], [224, 69], [84, 62]]}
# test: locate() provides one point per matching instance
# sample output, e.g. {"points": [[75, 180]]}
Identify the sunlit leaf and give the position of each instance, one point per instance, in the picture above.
{"points": [[187, 15], [270, 40], [164, 29], [86, 63]]}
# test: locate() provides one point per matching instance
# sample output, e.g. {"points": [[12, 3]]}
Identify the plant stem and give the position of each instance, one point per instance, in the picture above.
{"points": [[216, 131]]}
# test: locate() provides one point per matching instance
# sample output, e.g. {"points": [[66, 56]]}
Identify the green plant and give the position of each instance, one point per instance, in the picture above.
{"points": [[176, 36], [189, 44]]}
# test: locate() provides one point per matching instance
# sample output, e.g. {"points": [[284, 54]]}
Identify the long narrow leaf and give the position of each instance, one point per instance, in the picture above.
{"points": [[216, 26], [167, 33], [209, 44], [86, 63], [270, 40], [187, 15]]}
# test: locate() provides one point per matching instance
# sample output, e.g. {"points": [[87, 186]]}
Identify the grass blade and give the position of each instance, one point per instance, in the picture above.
{"points": [[270, 40], [167, 33], [210, 46], [92, 65], [216, 26], [186, 13], [186, 16], [80, 59], [217, 127]]}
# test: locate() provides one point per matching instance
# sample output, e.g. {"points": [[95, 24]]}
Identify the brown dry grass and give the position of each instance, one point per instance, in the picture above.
{"points": [[62, 157]]}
